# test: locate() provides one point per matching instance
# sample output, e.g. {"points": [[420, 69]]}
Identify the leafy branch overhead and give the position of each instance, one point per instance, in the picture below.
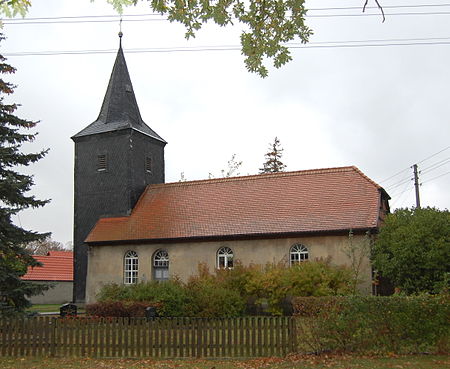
{"points": [[268, 24]]}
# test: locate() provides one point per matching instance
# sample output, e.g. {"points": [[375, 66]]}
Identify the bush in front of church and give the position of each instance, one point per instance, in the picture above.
{"points": [[170, 297], [213, 296], [119, 309], [243, 290], [274, 285]]}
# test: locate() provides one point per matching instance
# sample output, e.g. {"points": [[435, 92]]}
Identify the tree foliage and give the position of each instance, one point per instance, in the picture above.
{"points": [[14, 258], [268, 24], [42, 247], [358, 252], [11, 8], [232, 169], [273, 161], [413, 249]]}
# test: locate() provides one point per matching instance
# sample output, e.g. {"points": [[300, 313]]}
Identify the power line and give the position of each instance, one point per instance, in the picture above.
{"points": [[395, 185], [376, 40], [433, 155], [375, 15], [435, 166], [408, 187], [408, 168], [31, 19], [142, 17], [401, 193], [384, 7], [85, 21], [430, 168], [394, 175], [432, 179], [312, 45]]}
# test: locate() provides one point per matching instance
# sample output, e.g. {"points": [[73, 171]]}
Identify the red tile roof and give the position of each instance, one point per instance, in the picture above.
{"points": [[57, 266], [317, 200]]}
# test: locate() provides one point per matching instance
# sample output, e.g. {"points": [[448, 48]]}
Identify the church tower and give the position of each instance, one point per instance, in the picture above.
{"points": [[116, 157]]}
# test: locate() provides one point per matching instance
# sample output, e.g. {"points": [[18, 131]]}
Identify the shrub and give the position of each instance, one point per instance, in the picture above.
{"points": [[227, 292], [113, 292], [170, 297], [396, 324], [121, 309], [276, 283], [211, 297], [314, 306]]}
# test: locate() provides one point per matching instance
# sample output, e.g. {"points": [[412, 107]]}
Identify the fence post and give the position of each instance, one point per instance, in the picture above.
{"points": [[292, 334], [53, 333], [199, 337]]}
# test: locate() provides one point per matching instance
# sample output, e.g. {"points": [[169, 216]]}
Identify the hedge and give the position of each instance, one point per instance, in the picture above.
{"points": [[398, 324], [120, 309]]}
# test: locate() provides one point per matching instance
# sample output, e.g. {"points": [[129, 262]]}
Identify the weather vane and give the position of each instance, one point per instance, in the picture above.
{"points": [[120, 30]]}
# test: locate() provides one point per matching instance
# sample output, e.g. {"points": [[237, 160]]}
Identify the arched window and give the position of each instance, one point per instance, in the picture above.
{"points": [[161, 265], [298, 253], [224, 258], [130, 267]]}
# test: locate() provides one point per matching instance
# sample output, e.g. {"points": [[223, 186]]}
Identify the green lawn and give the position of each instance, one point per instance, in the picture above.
{"points": [[45, 308], [294, 362], [48, 308]]}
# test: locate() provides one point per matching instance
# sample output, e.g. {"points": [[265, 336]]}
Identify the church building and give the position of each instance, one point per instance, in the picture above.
{"points": [[131, 226]]}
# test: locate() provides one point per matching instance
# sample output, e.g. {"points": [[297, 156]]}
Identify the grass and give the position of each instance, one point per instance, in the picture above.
{"points": [[293, 362], [48, 308]]}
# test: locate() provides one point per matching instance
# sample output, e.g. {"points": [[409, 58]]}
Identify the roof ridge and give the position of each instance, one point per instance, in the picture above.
{"points": [[257, 176], [313, 200], [357, 170]]}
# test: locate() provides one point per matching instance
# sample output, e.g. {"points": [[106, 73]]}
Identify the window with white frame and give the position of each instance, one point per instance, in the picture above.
{"points": [[225, 258], [130, 267], [298, 253], [161, 265]]}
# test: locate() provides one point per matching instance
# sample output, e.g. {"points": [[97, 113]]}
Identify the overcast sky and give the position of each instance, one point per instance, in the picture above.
{"points": [[346, 99]]}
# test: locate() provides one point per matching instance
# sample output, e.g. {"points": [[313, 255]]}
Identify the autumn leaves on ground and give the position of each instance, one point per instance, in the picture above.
{"points": [[294, 362]]}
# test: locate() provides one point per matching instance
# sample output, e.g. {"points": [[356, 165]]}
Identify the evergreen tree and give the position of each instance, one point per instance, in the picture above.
{"points": [[273, 161], [14, 258]]}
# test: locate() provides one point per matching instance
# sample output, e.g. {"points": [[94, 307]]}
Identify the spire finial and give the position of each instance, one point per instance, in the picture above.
{"points": [[120, 32]]}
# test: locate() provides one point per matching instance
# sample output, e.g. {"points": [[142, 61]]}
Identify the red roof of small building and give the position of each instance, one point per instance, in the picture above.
{"points": [[320, 200], [56, 266]]}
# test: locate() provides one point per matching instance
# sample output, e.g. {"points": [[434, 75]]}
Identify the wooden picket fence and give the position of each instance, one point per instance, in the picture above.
{"points": [[139, 337]]}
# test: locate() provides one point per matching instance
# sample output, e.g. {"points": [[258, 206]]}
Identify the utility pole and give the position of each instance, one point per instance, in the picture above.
{"points": [[416, 185]]}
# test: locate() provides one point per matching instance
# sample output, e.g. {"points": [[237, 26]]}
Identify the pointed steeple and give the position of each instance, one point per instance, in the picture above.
{"points": [[119, 109]]}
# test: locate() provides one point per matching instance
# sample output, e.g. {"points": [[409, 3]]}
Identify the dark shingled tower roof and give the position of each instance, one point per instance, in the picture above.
{"points": [[120, 109]]}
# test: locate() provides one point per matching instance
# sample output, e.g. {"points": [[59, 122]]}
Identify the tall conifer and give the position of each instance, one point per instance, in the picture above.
{"points": [[273, 161], [14, 258]]}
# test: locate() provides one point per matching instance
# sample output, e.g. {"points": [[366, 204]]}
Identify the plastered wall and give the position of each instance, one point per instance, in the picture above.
{"points": [[105, 263], [59, 293]]}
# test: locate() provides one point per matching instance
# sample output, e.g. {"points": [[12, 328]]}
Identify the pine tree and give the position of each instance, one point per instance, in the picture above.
{"points": [[14, 258], [273, 161]]}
